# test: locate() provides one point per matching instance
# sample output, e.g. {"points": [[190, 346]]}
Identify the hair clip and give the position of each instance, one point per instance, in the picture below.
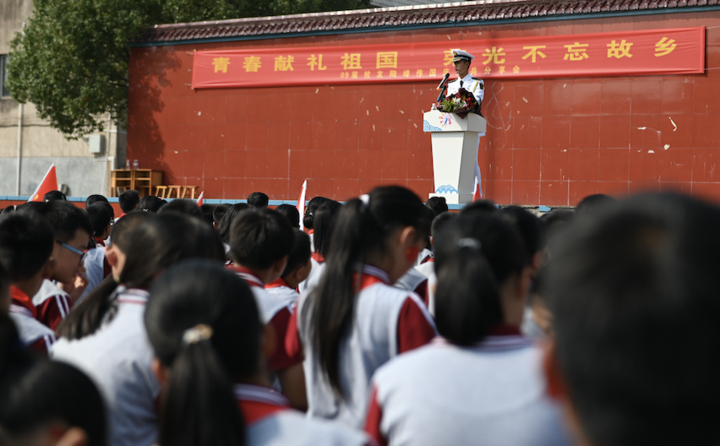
{"points": [[365, 198], [468, 242], [200, 332]]}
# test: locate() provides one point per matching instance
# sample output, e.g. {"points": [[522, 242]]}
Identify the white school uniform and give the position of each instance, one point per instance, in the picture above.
{"points": [[493, 394], [32, 333], [95, 269], [281, 289], [423, 256], [271, 422], [316, 273], [413, 280], [427, 269], [52, 304], [118, 359], [387, 321]]}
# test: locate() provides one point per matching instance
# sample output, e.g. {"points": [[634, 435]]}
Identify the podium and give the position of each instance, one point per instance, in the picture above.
{"points": [[454, 148]]}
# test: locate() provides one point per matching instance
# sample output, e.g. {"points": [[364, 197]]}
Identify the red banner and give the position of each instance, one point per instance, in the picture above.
{"points": [[626, 53]]}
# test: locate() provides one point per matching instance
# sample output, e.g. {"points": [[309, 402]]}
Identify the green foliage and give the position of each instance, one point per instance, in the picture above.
{"points": [[71, 60]]}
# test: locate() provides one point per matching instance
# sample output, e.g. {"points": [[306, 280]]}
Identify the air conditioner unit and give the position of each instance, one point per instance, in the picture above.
{"points": [[96, 143]]}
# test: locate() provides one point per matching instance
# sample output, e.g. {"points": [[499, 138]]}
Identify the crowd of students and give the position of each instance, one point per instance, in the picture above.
{"points": [[385, 320]]}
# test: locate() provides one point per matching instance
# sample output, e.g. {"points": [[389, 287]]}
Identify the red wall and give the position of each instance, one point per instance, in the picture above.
{"points": [[549, 142]]}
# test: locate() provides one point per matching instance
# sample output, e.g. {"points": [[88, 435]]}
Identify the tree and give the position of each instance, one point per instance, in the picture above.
{"points": [[71, 60]]}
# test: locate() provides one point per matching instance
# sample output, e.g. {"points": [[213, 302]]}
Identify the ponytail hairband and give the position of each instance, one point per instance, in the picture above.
{"points": [[468, 242], [365, 198], [198, 333]]}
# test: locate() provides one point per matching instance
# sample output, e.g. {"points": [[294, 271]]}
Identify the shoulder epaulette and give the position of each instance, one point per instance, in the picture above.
{"points": [[477, 78]]}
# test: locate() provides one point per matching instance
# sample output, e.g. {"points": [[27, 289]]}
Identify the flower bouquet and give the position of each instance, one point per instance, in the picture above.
{"points": [[460, 103]]}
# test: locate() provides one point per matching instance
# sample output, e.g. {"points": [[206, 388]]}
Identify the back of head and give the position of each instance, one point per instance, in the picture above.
{"points": [[207, 213], [183, 206], [324, 222], [310, 210], [26, 242], [260, 237], [37, 394], [204, 325], [475, 255], [129, 200], [120, 234], [218, 214], [291, 213], [481, 206], [301, 253], [54, 195], [437, 204], [633, 292], [593, 203], [154, 245], [228, 218], [362, 230], [95, 198], [99, 218], [151, 203], [258, 200], [531, 229], [440, 222], [66, 219]]}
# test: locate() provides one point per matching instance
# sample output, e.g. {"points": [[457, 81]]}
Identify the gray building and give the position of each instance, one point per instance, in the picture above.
{"points": [[30, 142]]}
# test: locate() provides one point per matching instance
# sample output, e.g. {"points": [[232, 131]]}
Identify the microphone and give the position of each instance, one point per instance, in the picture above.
{"points": [[442, 82]]}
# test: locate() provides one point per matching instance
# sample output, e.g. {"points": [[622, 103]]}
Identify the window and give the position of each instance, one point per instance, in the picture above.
{"points": [[4, 92]]}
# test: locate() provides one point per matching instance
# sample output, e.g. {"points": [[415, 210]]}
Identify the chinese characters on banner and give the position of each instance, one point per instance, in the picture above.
{"points": [[628, 53]]}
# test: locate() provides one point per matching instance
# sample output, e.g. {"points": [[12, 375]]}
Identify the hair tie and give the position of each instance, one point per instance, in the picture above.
{"points": [[365, 198], [200, 332], [468, 242]]}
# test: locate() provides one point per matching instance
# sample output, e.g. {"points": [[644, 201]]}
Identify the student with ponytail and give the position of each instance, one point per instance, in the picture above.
{"points": [[481, 382], [204, 326], [323, 223], [355, 320], [104, 336]]}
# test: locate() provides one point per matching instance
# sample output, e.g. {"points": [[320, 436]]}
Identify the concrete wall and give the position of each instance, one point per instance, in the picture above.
{"points": [[84, 173]]}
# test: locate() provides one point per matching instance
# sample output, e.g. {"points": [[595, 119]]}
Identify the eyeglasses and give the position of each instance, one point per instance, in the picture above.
{"points": [[75, 250]]}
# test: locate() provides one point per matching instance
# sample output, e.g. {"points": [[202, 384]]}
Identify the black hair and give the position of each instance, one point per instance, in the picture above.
{"points": [[260, 237], [66, 219], [324, 222], [531, 229], [437, 204], [207, 212], [485, 205], [300, 255], [310, 210], [556, 222], [258, 200], [361, 230], [107, 206], [8, 209], [36, 392], [441, 221], [99, 218], [95, 198], [183, 206], [54, 195], [152, 246], [593, 203], [228, 218], [198, 406], [476, 254], [120, 234], [26, 243], [633, 293], [151, 203], [291, 213], [426, 226], [129, 200], [218, 213]]}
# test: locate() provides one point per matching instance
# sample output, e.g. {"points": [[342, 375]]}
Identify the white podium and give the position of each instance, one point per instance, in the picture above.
{"points": [[454, 148]]}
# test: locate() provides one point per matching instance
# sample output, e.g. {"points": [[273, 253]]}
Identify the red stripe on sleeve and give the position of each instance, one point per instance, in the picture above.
{"points": [[373, 420], [293, 344], [280, 359], [414, 330]]}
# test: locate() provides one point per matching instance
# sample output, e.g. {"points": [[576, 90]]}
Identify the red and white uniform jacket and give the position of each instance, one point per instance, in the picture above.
{"points": [[281, 289], [316, 273], [491, 394], [415, 281], [52, 304], [274, 311], [33, 334], [271, 422], [387, 321]]}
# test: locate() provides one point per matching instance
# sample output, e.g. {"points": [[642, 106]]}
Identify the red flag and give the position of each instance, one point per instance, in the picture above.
{"points": [[200, 198], [49, 183], [477, 195], [301, 204]]}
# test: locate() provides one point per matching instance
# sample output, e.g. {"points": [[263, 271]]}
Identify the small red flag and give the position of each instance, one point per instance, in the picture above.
{"points": [[49, 183], [477, 194], [200, 198]]}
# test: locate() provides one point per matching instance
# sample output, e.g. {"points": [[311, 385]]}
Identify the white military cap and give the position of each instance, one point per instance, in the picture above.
{"points": [[459, 55]]}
